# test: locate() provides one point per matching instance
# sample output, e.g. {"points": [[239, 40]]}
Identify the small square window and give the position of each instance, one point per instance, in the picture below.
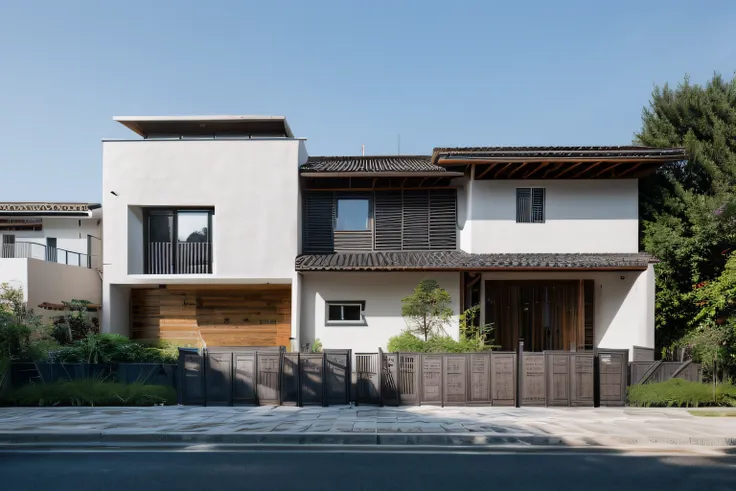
{"points": [[530, 205], [353, 215], [349, 313]]}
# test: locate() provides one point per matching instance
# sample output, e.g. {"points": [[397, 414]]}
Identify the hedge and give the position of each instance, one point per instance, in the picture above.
{"points": [[90, 392], [408, 343], [681, 393]]}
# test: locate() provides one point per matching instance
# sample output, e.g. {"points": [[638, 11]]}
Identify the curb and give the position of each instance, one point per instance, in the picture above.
{"points": [[381, 439]]}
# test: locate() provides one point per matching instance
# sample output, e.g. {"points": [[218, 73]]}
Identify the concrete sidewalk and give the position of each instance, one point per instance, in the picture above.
{"points": [[471, 426]]}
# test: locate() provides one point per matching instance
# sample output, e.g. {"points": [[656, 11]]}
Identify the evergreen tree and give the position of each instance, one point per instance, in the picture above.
{"points": [[682, 205]]}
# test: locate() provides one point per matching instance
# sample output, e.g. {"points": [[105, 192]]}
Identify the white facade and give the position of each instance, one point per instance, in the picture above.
{"points": [[382, 294], [581, 216], [252, 185], [49, 282]]}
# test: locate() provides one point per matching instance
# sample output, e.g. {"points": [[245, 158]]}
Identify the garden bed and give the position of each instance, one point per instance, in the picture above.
{"points": [[89, 392], [682, 393]]}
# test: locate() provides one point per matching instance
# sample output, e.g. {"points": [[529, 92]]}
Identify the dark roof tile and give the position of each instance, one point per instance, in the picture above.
{"points": [[394, 163], [561, 152], [459, 260]]}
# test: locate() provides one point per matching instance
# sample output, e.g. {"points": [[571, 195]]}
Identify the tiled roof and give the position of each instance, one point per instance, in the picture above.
{"points": [[459, 260], [391, 163], [561, 152]]}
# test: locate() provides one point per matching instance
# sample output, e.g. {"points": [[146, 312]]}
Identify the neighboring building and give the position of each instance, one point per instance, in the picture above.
{"points": [[222, 229], [52, 251]]}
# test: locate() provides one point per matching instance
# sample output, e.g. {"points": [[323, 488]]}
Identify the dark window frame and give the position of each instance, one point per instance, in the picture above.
{"points": [[340, 322], [173, 211], [533, 195]]}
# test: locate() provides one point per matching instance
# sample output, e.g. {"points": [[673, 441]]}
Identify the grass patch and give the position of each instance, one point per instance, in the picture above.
{"points": [[681, 393], [90, 392], [712, 413]]}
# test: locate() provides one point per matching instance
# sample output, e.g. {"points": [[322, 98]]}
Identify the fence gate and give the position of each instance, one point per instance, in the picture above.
{"points": [[582, 387], [337, 376], [455, 379], [191, 377], [533, 386], [409, 378], [558, 378], [503, 378], [612, 376], [268, 378], [390, 379], [480, 379], [244, 379], [367, 379], [431, 379], [290, 379], [311, 375]]}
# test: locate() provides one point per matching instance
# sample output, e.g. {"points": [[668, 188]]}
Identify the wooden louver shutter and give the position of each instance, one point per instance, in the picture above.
{"points": [[319, 211], [537, 215], [523, 205], [415, 232], [442, 219], [388, 220]]}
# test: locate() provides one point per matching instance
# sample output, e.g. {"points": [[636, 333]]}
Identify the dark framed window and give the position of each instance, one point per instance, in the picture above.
{"points": [[530, 206], [178, 241], [353, 214], [346, 312]]}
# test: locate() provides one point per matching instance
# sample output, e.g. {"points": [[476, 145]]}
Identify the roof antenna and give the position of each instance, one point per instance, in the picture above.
{"points": [[362, 150], [399, 143]]}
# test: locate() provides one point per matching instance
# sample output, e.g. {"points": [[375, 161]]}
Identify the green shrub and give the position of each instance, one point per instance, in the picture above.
{"points": [[75, 324], [114, 348], [408, 343], [90, 392], [681, 393]]}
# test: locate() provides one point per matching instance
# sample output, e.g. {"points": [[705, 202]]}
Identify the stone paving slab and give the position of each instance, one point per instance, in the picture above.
{"points": [[369, 425]]}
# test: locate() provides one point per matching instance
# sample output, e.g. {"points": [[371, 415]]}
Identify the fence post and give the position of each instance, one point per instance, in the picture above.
{"points": [[519, 372], [380, 377]]}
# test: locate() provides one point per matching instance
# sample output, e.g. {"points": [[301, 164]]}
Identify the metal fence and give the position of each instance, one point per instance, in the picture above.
{"points": [[263, 376], [33, 250]]}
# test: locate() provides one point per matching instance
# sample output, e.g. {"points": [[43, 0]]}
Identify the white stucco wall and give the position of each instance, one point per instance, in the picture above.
{"points": [[382, 293], [70, 234], [44, 281], [584, 216], [252, 185], [624, 304]]}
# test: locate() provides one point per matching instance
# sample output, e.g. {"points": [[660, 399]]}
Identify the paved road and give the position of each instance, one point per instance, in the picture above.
{"points": [[327, 471]]}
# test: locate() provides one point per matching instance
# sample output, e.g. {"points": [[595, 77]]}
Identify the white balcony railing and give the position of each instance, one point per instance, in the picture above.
{"points": [[191, 258], [33, 250]]}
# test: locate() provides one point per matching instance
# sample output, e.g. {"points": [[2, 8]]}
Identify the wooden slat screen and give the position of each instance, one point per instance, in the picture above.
{"points": [[409, 220], [589, 301], [317, 230], [388, 220]]}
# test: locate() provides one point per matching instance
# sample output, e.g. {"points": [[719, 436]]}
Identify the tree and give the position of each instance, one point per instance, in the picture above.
{"points": [[682, 204], [427, 311]]}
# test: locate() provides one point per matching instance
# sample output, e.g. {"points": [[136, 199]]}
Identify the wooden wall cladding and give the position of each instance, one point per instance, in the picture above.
{"points": [[223, 315]]}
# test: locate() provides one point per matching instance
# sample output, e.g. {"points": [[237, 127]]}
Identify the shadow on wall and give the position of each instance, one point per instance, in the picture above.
{"points": [[564, 200]]}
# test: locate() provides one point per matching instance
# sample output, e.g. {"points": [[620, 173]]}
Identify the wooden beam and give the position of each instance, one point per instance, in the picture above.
{"points": [[587, 169], [606, 169], [556, 167], [517, 169], [630, 169], [486, 171], [379, 189], [499, 171], [569, 168], [552, 158], [539, 167]]}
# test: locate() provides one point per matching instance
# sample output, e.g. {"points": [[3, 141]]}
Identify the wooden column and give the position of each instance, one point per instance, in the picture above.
{"points": [[580, 318]]}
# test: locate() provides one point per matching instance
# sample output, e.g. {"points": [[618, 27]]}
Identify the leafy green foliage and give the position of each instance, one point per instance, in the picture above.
{"points": [[20, 327], [114, 348], [316, 346], [685, 205], [427, 311], [472, 332], [90, 392], [75, 323], [408, 343], [681, 393]]}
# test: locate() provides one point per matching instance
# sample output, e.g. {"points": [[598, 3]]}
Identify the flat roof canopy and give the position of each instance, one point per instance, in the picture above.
{"points": [[558, 162], [203, 126]]}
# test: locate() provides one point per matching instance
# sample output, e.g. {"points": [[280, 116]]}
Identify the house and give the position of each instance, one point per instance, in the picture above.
{"points": [[52, 251], [223, 231]]}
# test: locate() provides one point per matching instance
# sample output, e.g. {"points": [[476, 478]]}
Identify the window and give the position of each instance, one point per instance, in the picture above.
{"points": [[348, 312], [353, 215], [530, 205], [179, 241]]}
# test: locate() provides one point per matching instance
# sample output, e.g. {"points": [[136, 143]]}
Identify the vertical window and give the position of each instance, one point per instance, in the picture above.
{"points": [[353, 215], [530, 205], [51, 254]]}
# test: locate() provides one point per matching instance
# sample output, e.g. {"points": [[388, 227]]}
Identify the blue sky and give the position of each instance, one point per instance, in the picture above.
{"points": [[345, 73]]}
